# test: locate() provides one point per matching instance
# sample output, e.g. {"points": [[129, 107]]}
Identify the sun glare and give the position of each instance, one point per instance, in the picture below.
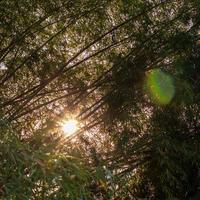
{"points": [[69, 126]]}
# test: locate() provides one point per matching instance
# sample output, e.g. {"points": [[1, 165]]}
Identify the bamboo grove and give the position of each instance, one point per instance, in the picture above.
{"points": [[128, 70]]}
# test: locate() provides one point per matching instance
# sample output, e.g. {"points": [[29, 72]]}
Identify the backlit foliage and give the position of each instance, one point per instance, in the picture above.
{"points": [[129, 72]]}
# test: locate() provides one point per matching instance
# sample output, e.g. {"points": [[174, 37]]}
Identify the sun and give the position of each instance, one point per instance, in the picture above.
{"points": [[70, 126]]}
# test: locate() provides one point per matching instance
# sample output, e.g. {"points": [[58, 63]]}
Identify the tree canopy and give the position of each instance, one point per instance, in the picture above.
{"points": [[127, 71]]}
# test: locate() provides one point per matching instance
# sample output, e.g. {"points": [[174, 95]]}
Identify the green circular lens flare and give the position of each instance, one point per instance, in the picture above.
{"points": [[160, 86]]}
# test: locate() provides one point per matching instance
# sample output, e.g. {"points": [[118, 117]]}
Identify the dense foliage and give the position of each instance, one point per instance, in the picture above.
{"points": [[128, 71]]}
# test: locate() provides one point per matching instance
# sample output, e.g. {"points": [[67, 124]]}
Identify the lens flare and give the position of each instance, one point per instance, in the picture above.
{"points": [[70, 126], [160, 86]]}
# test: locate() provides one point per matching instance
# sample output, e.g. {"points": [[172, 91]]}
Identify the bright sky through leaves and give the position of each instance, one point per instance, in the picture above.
{"points": [[70, 126]]}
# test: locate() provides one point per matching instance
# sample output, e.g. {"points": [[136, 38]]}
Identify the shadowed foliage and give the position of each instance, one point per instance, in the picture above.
{"points": [[127, 71]]}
